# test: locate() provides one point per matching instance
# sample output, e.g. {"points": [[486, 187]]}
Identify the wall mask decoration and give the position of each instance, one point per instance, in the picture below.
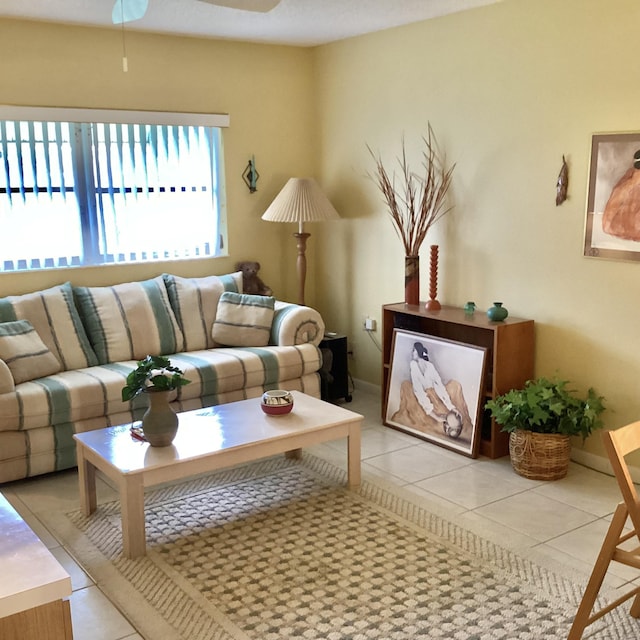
{"points": [[563, 183]]}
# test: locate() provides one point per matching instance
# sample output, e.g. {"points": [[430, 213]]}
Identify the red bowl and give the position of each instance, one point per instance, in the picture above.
{"points": [[276, 409]]}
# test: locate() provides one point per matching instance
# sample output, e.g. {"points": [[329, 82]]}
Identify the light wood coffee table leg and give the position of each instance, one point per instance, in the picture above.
{"points": [[134, 541], [87, 482], [353, 456]]}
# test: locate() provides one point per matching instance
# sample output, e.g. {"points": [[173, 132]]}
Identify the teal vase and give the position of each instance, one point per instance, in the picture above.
{"points": [[469, 308], [497, 313]]}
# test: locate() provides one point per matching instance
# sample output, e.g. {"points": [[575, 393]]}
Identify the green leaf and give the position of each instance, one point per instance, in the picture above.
{"points": [[153, 372]]}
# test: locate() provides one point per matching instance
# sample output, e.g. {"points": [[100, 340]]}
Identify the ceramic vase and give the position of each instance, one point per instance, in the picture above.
{"points": [[497, 313], [412, 279], [469, 308], [160, 422]]}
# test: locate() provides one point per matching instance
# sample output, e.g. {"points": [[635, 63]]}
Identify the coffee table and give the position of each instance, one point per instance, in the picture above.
{"points": [[207, 439]]}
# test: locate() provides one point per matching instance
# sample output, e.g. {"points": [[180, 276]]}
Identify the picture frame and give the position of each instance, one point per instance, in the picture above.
{"points": [[448, 410], [612, 225]]}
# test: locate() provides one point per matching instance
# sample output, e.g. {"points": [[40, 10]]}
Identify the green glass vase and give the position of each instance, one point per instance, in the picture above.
{"points": [[497, 313]]}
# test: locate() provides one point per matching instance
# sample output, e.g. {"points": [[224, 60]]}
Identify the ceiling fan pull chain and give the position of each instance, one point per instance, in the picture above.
{"points": [[125, 62], [134, 10]]}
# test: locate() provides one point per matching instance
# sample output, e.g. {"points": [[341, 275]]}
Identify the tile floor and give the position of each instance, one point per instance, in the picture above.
{"points": [[563, 521]]}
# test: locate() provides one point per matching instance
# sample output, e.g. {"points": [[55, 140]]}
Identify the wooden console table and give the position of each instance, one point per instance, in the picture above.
{"points": [[510, 353], [34, 585]]}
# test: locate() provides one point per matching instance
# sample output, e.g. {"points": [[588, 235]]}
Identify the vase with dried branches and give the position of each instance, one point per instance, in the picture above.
{"points": [[415, 202]]}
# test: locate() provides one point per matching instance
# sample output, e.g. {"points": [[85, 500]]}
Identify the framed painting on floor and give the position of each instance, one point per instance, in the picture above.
{"points": [[435, 390]]}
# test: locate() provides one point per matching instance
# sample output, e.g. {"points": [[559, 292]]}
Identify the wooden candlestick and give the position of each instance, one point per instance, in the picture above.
{"points": [[433, 304]]}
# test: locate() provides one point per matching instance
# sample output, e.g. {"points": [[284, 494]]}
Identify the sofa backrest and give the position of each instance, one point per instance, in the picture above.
{"points": [[195, 304], [168, 314], [54, 316], [129, 321]]}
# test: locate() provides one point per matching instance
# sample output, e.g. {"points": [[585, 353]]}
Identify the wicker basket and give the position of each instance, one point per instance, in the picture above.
{"points": [[539, 456]]}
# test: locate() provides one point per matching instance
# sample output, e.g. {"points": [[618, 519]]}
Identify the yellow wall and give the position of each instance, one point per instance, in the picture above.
{"points": [[267, 90], [509, 89]]}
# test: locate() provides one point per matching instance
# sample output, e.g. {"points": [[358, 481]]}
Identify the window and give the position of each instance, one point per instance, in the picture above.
{"points": [[82, 187]]}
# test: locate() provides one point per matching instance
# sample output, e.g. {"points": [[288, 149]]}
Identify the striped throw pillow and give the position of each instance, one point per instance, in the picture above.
{"points": [[23, 351], [195, 302], [54, 316], [129, 321], [243, 320]]}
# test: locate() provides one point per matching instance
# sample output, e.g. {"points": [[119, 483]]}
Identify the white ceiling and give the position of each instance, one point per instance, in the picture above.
{"points": [[294, 22]]}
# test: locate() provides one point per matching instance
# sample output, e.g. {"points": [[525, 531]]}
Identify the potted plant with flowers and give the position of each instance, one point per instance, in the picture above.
{"points": [[540, 419], [156, 377]]}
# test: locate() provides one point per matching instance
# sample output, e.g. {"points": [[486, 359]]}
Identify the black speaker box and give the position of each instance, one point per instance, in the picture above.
{"points": [[335, 370]]}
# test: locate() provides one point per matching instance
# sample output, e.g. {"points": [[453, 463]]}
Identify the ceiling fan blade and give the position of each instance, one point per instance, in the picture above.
{"points": [[261, 6], [128, 10]]}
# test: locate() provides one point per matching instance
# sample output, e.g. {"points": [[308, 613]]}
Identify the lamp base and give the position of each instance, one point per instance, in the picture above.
{"points": [[301, 263]]}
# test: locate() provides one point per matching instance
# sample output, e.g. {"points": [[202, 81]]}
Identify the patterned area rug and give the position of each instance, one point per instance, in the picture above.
{"points": [[280, 549]]}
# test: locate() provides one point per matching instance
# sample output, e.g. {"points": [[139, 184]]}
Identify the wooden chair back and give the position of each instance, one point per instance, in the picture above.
{"points": [[618, 444]]}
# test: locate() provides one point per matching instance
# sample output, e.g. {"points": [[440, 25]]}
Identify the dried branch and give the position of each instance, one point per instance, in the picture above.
{"points": [[417, 202]]}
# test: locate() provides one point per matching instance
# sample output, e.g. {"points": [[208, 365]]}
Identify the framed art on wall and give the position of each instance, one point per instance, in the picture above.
{"points": [[612, 227], [435, 390]]}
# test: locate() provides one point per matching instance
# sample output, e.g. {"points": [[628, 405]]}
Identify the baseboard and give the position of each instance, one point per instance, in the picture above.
{"points": [[585, 458], [367, 387], [601, 464], [592, 461]]}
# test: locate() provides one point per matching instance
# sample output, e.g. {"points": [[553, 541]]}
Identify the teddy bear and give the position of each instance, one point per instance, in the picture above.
{"points": [[251, 282]]}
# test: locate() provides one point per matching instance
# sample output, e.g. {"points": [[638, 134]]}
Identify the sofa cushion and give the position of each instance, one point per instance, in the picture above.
{"points": [[23, 351], [217, 372], [65, 397], [129, 321], [53, 314], [195, 303], [243, 320], [217, 375]]}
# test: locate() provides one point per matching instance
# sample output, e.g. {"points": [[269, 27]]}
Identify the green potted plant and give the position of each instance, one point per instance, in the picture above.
{"points": [[157, 377], [540, 419], [153, 373]]}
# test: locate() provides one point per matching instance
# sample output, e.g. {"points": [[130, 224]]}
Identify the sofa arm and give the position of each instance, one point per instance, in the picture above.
{"points": [[295, 324], [7, 384]]}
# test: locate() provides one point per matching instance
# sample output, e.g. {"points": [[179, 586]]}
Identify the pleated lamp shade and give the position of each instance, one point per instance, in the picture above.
{"points": [[301, 200]]}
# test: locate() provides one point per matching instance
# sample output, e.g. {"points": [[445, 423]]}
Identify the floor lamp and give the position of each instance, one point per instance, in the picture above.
{"points": [[301, 200]]}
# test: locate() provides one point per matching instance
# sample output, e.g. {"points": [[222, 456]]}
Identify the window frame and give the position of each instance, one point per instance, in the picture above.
{"points": [[134, 117]]}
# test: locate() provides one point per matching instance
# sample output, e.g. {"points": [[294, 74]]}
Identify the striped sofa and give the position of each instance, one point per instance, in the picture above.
{"points": [[97, 334]]}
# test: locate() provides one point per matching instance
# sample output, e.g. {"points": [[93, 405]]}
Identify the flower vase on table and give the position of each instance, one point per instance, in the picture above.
{"points": [[159, 422], [157, 378]]}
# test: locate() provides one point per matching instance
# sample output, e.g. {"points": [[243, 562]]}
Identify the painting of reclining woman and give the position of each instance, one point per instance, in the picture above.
{"points": [[435, 390]]}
